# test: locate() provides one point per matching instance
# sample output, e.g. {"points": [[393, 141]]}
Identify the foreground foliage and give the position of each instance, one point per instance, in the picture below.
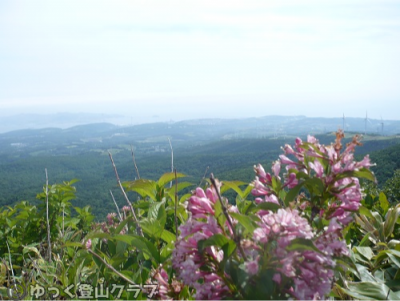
{"points": [[303, 231]]}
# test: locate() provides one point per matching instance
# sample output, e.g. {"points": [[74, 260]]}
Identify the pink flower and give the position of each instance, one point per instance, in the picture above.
{"points": [[284, 226], [251, 267], [126, 209], [201, 204], [276, 168], [286, 160], [277, 278], [311, 139], [213, 288], [260, 171], [88, 244], [336, 168], [161, 277], [317, 167], [111, 218], [364, 163], [309, 272], [333, 226], [288, 150], [259, 188], [291, 181], [262, 176], [298, 142], [195, 268]]}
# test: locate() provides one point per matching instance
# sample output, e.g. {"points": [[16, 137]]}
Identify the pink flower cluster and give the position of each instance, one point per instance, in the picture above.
{"points": [[282, 227], [166, 291], [323, 162], [302, 273], [113, 221], [88, 244], [309, 274], [188, 261]]}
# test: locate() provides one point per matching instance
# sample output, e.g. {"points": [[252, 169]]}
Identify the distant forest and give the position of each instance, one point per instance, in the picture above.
{"points": [[82, 153]]}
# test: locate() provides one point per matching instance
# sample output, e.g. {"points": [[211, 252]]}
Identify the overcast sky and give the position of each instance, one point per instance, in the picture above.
{"points": [[162, 60]]}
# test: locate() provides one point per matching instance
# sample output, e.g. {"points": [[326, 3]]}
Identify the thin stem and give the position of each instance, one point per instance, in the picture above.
{"points": [[119, 214], [111, 267], [39, 271], [47, 217], [204, 177], [63, 213], [9, 258], [138, 228], [63, 233], [134, 162], [176, 206], [228, 218]]}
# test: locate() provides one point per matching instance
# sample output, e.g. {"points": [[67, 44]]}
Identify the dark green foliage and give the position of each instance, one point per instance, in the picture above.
{"points": [[387, 161], [81, 152], [392, 187]]}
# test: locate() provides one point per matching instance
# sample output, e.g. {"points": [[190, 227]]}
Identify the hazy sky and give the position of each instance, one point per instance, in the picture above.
{"points": [[161, 60]]}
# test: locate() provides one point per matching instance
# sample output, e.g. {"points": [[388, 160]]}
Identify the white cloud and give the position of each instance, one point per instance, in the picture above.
{"points": [[92, 51]]}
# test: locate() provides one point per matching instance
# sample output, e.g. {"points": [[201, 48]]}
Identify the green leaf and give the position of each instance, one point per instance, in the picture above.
{"points": [[383, 202], [266, 289], [72, 222], [73, 181], [276, 184], [348, 264], [234, 185], [122, 224], [171, 191], [365, 251], [152, 227], [167, 236], [365, 241], [394, 257], [363, 173], [219, 214], [98, 235], [382, 255], [282, 194], [248, 189], [168, 177], [72, 244], [157, 211], [185, 197], [292, 193], [367, 290], [218, 240], [32, 249], [391, 218], [302, 244], [142, 244], [245, 206], [121, 248], [141, 204], [365, 211], [245, 221], [394, 244], [394, 285], [265, 206], [315, 185], [228, 249], [143, 187]]}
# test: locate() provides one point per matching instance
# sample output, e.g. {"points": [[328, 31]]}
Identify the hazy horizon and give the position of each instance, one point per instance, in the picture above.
{"points": [[158, 61]]}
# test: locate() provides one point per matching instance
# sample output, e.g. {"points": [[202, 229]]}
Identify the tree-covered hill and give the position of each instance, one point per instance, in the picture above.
{"points": [[229, 159], [387, 161]]}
